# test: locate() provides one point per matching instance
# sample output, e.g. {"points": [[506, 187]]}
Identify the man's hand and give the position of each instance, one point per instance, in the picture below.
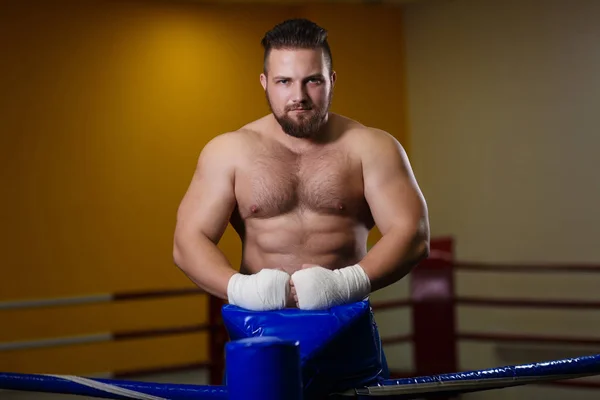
{"points": [[267, 290], [293, 298], [318, 288], [293, 293]]}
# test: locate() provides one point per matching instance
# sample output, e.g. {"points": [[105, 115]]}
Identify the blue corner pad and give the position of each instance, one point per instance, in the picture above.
{"points": [[340, 347], [263, 368]]}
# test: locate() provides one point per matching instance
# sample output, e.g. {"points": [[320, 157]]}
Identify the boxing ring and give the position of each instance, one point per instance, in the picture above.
{"points": [[337, 353], [260, 384]]}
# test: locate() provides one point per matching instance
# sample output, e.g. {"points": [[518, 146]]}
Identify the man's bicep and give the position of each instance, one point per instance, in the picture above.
{"points": [[210, 198], [391, 189]]}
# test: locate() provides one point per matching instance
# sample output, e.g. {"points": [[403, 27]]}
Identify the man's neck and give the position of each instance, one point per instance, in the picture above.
{"points": [[318, 139]]}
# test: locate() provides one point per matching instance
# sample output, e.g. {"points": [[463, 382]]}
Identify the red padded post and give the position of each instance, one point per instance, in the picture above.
{"points": [[433, 311], [217, 340]]}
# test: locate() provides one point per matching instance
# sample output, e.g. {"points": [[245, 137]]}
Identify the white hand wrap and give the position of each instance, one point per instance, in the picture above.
{"points": [[266, 290], [318, 288]]}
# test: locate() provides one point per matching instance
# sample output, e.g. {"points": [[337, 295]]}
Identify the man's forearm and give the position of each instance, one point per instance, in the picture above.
{"points": [[395, 255], [202, 261]]}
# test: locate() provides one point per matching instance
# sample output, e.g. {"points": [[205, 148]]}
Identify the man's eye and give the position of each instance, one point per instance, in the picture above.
{"points": [[284, 81]]}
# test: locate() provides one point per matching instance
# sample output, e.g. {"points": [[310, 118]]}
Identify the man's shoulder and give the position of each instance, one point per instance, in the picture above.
{"points": [[376, 149], [231, 139], [232, 149], [367, 139], [232, 142], [362, 134]]}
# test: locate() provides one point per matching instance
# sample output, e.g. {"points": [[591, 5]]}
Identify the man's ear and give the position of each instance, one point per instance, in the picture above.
{"points": [[333, 78], [263, 81]]}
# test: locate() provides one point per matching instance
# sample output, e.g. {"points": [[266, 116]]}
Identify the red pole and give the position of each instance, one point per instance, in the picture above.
{"points": [[216, 341], [433, 312]]}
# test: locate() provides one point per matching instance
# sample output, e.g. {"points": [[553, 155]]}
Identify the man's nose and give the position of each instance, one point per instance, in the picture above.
{"points": [[298, 93]]}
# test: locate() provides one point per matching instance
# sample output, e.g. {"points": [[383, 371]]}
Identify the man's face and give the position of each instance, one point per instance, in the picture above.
{"points": [[299, 89]]}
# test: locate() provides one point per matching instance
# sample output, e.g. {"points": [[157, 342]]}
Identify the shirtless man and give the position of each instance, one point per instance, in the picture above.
{"points": [[302, 187]]}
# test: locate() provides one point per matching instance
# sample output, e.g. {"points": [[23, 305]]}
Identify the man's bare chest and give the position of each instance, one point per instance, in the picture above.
{"points": [[275, 184]]}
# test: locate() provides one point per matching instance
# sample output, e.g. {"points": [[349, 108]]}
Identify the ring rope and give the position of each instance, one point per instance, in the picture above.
{"points": [[108, 388], [407, 388], [131, 389], [456, 386]]}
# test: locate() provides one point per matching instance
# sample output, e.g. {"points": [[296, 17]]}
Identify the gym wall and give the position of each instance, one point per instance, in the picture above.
{"points": [[503, 110], [105, 107]]}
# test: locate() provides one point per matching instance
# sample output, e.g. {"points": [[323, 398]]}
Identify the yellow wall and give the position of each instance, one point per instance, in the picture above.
{"points": [[105, 106]]}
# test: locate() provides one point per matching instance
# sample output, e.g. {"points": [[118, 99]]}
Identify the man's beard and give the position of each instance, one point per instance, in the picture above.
{"points": [[307, 125]]}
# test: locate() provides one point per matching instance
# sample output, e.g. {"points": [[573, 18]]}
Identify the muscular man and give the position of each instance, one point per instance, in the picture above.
{"points": [[302, 187]]}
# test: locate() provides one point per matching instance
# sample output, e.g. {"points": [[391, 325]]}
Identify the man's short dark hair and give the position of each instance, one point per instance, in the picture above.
{"points": [[298, 33]]}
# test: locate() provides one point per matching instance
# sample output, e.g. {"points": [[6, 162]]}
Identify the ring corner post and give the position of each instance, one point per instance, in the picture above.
{"points": [[263, 368], [217, 339], [432, 291]]}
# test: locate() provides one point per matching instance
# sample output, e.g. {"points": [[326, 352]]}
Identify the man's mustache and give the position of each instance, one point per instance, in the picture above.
{"points": [[300, 107]]}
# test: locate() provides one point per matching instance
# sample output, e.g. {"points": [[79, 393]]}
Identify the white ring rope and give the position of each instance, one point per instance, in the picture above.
{"points": [[105, 387]]}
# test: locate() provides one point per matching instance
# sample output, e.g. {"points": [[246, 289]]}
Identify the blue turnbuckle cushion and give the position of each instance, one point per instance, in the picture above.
{"points": [[340, 347]]}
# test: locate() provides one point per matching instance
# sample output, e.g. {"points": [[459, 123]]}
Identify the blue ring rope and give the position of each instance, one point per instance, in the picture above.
{"points": [[487, 379], [56, 384], [459, 382]]}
